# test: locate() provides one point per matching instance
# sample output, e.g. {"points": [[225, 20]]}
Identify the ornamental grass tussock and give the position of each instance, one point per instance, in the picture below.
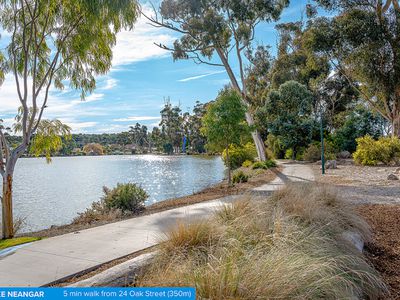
{"points": [[287, 246]]}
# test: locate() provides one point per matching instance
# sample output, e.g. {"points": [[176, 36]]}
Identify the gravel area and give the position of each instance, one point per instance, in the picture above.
{"points": [[363, 185]]}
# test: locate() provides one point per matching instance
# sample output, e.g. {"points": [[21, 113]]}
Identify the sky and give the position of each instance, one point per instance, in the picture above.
{"points": [[142, 77]]}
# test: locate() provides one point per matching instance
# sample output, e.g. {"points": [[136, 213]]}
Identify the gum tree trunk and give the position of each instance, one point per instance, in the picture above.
{"points": [[229, 165], [7, 206], [7, 213], [256, 138]]}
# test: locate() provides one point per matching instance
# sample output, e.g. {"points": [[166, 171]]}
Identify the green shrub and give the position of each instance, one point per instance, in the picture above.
{"points": [[239, 154], [239, 177], [247, 164], [126, 197], [274, 144], [313, 152], [288, 154], [370, 152], [264, 164]]}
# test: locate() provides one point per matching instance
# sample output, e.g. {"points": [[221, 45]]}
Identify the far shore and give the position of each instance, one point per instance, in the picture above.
{"points": [[258, 178], [130, 154]]}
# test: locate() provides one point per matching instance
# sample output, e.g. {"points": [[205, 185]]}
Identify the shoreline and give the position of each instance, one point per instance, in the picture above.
{"points": [[220, 190]]}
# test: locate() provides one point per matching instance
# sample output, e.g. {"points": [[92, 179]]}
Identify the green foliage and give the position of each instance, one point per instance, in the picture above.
{"points": [[288, 111], [289, 154], [275, 145], [168, 148], [48, 138], [224, 121], [370, 152], [247, 164], [264, 164], [240, 177], [207, 25], [126, 197], [313, 152], [358, 123], [239, 154], [363, 40], [295, 61]]}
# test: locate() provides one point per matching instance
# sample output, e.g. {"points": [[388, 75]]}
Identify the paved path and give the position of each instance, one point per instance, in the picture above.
{"points": [[48, 260], [292, 172]]}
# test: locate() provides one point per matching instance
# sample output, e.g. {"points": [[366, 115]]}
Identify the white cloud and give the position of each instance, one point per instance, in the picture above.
{"points": [[93, 97], [200, 76], [136, 118], [138, 44], [110, 83], [77, 126]]}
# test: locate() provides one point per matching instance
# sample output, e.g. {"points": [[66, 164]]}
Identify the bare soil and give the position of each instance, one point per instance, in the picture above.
{"points": [[257, 178], [384, 250], [378, 201], [361, 184]]}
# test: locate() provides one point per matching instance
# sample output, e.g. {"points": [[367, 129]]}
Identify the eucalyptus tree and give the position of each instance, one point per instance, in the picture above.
{"points": [[289, 114], [363, 44], [223, 29], [53, 43]]}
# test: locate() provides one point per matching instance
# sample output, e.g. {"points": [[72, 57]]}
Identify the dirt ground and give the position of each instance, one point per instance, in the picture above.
{"points": [[384, 250], [378, 201], [257, 178], [362, 185]]}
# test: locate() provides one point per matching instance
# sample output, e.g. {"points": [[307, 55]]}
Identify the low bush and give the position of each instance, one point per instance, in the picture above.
{"points": [[239, 177], [288, 154], [275, 145], [119, 202], [126, 197], [371, 152], [247, 164], [239, 154], [98, 211], [313, 152], [264, 164], [285, 247]]}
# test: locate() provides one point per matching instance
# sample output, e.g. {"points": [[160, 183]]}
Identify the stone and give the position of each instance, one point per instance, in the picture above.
{"points": [[397, 171], [344, 155], [354, 238], [392, 177], [331, 164]]}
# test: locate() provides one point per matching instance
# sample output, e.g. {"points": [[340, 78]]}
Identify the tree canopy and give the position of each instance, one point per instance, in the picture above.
{"points": [[224, 123], [288, 112], [363, 44]]}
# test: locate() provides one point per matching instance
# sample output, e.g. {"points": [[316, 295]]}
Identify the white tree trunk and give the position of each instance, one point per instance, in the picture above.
{"points": [[259, 143]]}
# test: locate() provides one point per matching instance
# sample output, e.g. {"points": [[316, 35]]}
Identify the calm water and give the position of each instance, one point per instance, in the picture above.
{"points": [[53, 194]]}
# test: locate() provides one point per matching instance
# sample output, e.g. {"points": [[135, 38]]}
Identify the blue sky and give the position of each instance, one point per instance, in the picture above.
{"points": [[141, 78]]}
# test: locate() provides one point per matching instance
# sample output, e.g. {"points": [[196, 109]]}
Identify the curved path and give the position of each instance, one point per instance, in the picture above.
{"points": [[48, 260]]}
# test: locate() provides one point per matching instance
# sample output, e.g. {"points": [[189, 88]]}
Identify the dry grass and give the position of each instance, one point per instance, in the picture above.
{"points": [[287, 247]]}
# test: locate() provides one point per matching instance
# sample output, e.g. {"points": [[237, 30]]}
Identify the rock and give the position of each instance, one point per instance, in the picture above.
{"points": [[344, 155], [397, 171], [345, 162], [331, 164], [354, 239], [392, 177]]}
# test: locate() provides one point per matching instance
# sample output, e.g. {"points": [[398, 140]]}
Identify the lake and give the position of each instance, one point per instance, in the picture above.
{"points": [[53, 194]]}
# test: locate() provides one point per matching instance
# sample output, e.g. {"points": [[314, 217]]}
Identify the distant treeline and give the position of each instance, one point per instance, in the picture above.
{"points": [[177, 132]]}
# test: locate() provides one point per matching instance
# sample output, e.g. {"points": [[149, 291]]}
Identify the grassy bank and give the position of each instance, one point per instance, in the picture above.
{"points": [[16, 241], [288, 246]]}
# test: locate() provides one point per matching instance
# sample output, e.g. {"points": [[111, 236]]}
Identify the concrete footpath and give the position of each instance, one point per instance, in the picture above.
{"points": [[48, 260]]}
